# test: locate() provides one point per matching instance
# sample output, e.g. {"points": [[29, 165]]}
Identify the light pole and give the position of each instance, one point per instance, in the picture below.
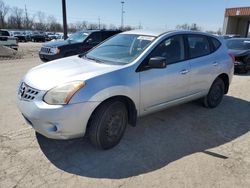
{"points": [[65, 32], [122, 19]]}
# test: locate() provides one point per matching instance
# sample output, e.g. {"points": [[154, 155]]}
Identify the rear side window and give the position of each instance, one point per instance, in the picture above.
{"points": [[216, 43], [107, 34], [95, 38], [198, 46]]}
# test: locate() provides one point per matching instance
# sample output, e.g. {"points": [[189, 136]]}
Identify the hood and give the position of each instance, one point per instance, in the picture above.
{"points": [[238, 53], [58, 43], [49, 75]]}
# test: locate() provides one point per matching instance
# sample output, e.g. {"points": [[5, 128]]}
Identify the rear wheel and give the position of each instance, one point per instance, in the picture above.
{"points": [[107, 125], [215, 95]]}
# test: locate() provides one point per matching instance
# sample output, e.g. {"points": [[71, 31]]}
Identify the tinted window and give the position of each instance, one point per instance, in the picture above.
{"points": [[108, 34], [198, 46], [216, 43], [95, 38], [172, 49]]}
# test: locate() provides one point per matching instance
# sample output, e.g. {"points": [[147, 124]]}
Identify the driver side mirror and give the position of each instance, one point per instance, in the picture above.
{"points": [[157, 62]]}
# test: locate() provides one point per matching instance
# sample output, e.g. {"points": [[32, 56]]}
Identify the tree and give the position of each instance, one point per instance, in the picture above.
{"points": [[193, 27], [53, 25], [40, 24], [15, 20], [28, 21], [4, 9]]}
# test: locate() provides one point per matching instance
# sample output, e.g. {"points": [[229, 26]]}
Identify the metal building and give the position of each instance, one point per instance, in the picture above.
{"points": [[237, 21]]}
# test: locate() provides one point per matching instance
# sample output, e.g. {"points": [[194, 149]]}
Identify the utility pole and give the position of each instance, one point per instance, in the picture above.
{"points": [[26, 18], [65, 32], [99, 22], [122, 19]]}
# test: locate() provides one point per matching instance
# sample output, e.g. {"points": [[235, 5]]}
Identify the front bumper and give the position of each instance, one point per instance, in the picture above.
{"points": [[57, 121], [51, 57]]}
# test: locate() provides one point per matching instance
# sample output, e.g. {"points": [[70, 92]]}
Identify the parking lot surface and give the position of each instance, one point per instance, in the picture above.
{"points": [[184, 146]]}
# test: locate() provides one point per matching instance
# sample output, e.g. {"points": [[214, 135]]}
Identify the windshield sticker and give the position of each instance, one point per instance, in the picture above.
{"points": [[145, 38]]}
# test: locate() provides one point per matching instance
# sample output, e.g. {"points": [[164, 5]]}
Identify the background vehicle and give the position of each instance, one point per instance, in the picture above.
{"points": [[20, 35], [77, 43], [7, 40], [132, 74], [240, 48], [38, 37]]}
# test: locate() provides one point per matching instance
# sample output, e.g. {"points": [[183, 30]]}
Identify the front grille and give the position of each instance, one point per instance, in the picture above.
{"points": [[45, 50], [27, 93]]}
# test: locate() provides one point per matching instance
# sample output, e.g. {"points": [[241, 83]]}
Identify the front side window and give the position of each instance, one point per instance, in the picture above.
{"points": [[172, 49], [198, 46], [121, 49]]}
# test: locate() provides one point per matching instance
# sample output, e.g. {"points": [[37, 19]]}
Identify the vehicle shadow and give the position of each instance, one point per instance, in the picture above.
{"points": [[158, 140], [246, 74]]}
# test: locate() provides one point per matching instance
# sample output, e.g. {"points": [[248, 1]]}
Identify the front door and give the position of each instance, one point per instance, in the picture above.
{"points": [[161, 86]]}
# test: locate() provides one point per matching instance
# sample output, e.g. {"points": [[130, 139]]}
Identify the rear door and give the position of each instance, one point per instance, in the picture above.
{"points": [[204, 64]]}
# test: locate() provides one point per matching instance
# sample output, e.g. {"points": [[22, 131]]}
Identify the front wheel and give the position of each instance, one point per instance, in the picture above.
{"points": [[107, 125], [215, 94]]}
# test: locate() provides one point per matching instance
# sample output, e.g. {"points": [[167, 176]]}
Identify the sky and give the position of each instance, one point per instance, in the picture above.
{"points": [[151, 14]]}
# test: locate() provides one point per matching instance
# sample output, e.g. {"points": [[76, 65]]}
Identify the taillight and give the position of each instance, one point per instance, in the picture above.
{"points": [[232, 56]]}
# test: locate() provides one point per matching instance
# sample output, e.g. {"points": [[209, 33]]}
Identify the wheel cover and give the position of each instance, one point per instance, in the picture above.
{"points": [[115, 125], [216, 94]]}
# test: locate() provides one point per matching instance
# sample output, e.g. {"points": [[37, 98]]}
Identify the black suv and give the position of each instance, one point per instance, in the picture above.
{"points": [[77, 43]]}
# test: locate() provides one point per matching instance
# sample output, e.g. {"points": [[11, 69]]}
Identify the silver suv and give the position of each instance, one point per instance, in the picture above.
{"points": [[130, 75]]}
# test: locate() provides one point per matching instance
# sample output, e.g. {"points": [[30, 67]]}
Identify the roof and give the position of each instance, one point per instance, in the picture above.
{"points": [[238, 11], [157, 33], [95, 30], [154, 33]]}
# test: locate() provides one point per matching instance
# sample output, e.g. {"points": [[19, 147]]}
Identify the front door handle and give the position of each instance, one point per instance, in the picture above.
{"points": [[215, 64], [185, 71]]}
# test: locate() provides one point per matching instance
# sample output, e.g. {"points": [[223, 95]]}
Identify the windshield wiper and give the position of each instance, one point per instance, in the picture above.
{"points": [[93, 59]]}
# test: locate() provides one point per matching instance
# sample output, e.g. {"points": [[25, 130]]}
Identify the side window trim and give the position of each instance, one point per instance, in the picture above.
{"points": [[142, 67]]}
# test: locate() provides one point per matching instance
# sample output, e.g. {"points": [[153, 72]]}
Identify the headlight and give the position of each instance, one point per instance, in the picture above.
{"points": [[55, 50], [63, 93]]}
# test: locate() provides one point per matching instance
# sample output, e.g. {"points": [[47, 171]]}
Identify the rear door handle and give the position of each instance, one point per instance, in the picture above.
{"points": [[185, 71], [215, 64]]}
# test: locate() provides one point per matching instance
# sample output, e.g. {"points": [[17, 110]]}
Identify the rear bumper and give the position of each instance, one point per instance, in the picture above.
{"points": [[57, 121], [241, 66]]}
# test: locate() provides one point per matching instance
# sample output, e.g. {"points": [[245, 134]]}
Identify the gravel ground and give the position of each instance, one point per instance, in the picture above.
{"points": [[184, 146]]}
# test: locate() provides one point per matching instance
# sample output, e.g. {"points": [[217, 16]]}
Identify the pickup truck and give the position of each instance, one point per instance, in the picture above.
{"points": [[7, 40]]}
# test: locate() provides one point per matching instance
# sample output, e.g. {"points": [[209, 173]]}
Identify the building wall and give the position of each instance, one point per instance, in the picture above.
{"points": [[236, 21]]}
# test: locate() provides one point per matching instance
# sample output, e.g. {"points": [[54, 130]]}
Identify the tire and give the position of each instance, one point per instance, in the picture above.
{"points": [[215, 94], [107, 125]]}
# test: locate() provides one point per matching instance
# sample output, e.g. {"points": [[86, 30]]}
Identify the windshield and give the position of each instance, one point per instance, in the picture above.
{"points": [[121, 49], [238, 44], [78, 37]]}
